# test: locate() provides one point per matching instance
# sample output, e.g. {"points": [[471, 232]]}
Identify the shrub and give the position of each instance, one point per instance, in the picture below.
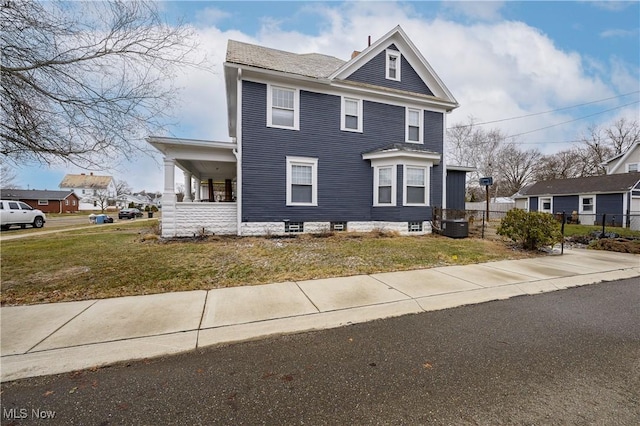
{"points": [[530, 229]]}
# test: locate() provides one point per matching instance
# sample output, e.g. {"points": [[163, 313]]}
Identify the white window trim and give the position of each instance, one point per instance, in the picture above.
{"points": [[394, 185], [581, 208], [629, 167], [420, 123], [540, 203], [303, 161], [296, 107], [343, 120], [43, 202], [398, 57], [427, 193]]}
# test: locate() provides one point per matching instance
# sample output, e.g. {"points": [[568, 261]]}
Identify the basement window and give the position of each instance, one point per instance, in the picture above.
{"points": [[338, 226], [294, 227], [415, 226]]}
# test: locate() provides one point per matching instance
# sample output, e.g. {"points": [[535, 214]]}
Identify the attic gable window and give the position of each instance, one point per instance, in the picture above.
{"points": [[283, 107], [393, 65]]}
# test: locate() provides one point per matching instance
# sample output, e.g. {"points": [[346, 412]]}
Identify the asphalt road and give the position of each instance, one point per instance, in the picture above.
{"points": [[567, 357]]}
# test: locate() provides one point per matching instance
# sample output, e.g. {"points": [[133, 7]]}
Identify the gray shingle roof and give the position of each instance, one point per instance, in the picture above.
{"points": [[310, 64], [622, 182], [32, 194]]}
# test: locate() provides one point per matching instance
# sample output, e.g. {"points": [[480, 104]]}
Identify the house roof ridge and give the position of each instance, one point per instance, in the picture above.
{"points": [[583, 185], [312, 64]]}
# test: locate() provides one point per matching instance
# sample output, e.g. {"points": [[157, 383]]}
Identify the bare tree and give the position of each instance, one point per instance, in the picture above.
{"points": [[623, 134], [516, 167], [561, 165], [102, 198], [83, 81], [7, 177], [122, 187], [470, 145]]}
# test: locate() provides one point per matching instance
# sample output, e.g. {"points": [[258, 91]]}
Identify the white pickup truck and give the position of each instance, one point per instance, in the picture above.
{"points": [[19, 213]]}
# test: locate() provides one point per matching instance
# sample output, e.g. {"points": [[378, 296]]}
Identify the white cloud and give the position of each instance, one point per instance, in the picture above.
{"points": [[618, 32], [211, 16]]}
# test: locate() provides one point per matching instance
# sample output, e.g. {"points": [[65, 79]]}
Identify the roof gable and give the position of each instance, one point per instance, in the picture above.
{"points": [[401, 42], [585, 185], [620, 159], [373, 72]]}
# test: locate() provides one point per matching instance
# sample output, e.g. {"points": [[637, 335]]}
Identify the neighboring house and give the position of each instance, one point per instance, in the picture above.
{"points": [[318, 144], [628, 161], [47, 201], [90, 189], [139, 200], [617, 196]]}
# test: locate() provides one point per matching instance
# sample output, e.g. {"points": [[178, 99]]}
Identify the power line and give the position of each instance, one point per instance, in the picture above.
{"points": [[571, 121], [545, 112]]}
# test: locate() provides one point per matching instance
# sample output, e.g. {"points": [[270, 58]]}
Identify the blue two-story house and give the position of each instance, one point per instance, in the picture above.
{"points": [[318, 144]]}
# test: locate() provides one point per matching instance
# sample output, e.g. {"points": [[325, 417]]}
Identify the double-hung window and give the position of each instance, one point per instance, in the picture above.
{"points": [[633, 167], [302, 181], [351, 115], [384, 186], [393, 65], [546, 205], [414, 125], [283, 107], [587, 204], [415, 185]]}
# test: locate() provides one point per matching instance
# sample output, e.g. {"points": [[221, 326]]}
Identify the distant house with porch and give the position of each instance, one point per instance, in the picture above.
{"points": [[47, 201], [89, 188], [613, 198], [318, 143]]}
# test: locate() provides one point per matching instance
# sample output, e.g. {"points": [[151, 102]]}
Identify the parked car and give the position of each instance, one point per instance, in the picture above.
{"points": [[19, 213], [129, 214]]}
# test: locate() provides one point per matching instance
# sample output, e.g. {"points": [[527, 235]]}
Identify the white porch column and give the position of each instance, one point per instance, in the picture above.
{"points": [[169, 179], [197, 188], [169, 199], [187, 187]]}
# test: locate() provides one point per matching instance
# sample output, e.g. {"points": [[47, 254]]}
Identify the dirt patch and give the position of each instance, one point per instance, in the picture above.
{"points": [[73, 271]]}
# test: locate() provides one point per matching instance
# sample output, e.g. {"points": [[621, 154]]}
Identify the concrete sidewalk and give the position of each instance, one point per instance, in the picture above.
{"points": [[60, 337]]}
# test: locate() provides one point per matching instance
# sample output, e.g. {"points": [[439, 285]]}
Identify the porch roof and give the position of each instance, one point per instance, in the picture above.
{"points": [[203, 159]]}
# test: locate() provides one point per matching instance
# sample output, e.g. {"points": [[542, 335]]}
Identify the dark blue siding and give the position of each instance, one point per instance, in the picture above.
{"points": [[374, 72], [533, 204], [456, 189], [566, 203], [345, 180], [611, 205]]}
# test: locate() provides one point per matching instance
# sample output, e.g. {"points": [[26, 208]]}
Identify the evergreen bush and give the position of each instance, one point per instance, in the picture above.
{"points": [[532, 230]]}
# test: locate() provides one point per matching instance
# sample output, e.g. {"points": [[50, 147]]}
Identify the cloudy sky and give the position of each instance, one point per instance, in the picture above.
{"points": [[543, 72]]}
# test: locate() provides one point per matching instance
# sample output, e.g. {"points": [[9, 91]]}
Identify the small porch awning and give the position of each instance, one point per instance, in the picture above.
{"points": [[406, 150]]}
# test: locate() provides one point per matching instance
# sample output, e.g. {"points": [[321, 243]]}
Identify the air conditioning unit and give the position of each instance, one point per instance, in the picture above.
{"points": [[458, 228]]}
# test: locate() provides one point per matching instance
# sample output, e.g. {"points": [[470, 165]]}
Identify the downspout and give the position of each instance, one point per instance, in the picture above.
{"points": [[444, 162], [238, 153]]}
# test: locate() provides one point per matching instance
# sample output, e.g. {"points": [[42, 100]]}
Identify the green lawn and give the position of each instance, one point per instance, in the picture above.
{"points": [[124, 260]]}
